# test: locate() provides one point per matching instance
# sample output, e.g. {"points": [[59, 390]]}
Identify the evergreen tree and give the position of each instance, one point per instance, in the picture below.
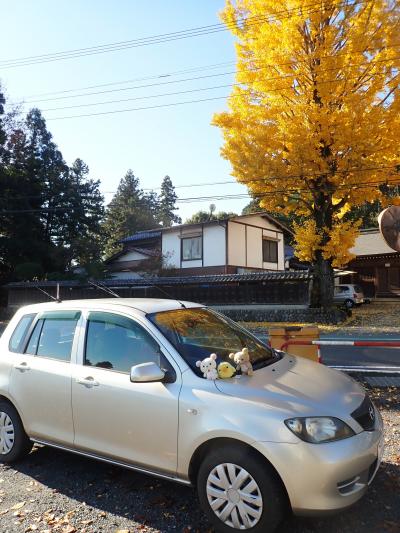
{"points": [[50, 214], [206, 216], [167, 206], [82, 232], [20, 202], [128, 212]]}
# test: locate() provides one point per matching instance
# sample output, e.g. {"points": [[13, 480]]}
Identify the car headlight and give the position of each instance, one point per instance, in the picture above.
{"points": [[319, 429]]}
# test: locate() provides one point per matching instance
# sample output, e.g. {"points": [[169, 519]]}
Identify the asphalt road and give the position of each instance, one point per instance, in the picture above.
{"points": [[378, 358]]}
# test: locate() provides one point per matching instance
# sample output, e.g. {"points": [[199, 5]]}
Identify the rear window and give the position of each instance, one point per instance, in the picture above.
{"points": [[341, 288], [53, 335], [18, 337], [357, 288]]}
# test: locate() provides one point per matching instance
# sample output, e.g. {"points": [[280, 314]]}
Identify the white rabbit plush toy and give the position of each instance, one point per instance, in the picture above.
{"points": [[209, 366]]}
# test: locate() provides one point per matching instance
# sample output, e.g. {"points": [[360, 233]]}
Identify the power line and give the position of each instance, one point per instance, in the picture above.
{"points": [[146, 86], [174, 104], [139, 98], [218, 197], [144, 78], [234, 182], [195, 78], [162, 38], [91, 104]]}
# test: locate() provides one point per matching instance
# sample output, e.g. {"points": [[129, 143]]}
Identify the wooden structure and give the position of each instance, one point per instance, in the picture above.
{"points": [[268, 288]]}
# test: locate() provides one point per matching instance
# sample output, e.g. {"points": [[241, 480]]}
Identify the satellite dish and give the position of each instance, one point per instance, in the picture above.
{"points": [[389, 225]]}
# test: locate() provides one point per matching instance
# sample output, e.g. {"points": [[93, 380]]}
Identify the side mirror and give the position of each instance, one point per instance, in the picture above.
{"points": [[146, 372]]}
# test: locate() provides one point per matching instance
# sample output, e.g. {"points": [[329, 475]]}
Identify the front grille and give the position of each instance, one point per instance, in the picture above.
{"points": [[365, 414]]}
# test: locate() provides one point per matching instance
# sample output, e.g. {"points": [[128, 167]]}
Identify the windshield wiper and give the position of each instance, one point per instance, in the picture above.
{"points": [[266, 362]]}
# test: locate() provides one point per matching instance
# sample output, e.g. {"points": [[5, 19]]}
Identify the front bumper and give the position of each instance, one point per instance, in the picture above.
{"points": [[323, 478]]}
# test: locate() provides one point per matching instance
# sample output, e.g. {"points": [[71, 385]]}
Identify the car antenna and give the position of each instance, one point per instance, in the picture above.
{"points": [[55, 298], [104, 288], [169, 296]]}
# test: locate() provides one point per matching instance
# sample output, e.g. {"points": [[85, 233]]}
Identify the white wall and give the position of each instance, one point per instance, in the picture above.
{"points": [[214, 246], [125, 275], [131, 256], [171, 248]]}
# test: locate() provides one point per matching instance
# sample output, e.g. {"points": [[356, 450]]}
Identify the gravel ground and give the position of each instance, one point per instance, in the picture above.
{"points": [[56, 491]]}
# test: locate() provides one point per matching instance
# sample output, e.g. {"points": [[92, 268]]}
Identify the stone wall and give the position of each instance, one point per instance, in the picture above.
{"points": [[307, 315]]}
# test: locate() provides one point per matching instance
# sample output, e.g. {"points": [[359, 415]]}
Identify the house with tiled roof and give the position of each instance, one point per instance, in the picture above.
{"points": [[235, 245]]}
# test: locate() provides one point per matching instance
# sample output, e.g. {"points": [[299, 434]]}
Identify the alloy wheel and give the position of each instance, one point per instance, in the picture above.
{"points": [[234, 496], [7, 433]]}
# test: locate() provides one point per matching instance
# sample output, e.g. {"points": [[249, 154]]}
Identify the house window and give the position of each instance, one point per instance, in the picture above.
{"points": [[191, 248], [270, 251]]}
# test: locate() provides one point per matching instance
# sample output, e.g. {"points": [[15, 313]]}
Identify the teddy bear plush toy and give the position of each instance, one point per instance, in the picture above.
{"points": [[209, 366], [242, 360]]}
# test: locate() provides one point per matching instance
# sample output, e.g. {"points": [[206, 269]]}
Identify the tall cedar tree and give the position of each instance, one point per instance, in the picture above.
{"points": [[130, 210], [167, 204], [53, 212], [313, 120], [83, 232]]}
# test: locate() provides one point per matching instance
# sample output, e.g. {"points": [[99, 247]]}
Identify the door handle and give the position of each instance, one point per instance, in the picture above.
{"points": [[88, 382], [22, 367]]}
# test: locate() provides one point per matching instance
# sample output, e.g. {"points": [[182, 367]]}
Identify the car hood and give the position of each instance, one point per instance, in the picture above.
{"points": [[298, 387]]}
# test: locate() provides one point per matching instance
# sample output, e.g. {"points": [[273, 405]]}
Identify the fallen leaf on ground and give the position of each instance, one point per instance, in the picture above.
{"points": [[17, 506], [68, 529]]}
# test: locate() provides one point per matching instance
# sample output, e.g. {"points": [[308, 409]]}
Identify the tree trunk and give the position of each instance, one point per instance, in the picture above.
{"points": [[323, 283]]}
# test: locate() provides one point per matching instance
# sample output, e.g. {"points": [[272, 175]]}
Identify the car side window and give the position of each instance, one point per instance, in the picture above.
{"points": [[341, 289], [53, 335], [117, 343], [18, 337]]}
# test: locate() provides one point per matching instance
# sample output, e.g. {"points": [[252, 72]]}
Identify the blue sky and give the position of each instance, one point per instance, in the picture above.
{"points": [[178, 141]]}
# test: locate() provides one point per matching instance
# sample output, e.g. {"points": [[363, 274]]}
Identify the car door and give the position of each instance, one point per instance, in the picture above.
{"points": [[131, 422], [40, 381]]}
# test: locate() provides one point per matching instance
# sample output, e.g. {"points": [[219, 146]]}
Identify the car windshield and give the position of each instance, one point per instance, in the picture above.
{"points": [[198, 332]]}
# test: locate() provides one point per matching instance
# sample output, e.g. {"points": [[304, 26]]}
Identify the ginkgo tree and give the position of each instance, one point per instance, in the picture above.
{"points": [[313, 119]]}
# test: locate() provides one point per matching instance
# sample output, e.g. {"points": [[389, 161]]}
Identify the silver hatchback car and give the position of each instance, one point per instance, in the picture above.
{"points": [[119, 380], [348, 295]]}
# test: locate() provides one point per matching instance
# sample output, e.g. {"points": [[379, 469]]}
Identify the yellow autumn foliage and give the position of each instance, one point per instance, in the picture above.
{"points": [[341, 238], [313, 120], [307, 240]]}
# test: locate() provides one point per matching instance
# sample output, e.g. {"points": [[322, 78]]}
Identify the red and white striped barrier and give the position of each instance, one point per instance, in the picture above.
{"points": [[382, 344]]}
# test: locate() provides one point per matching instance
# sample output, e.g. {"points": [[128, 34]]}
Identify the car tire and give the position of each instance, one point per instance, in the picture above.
{"points": [[14, 442], [229, 467], [349, 304]]}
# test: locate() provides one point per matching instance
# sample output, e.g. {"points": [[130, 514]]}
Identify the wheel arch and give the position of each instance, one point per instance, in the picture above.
{"points": [[10, 402], [206, 447]]}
